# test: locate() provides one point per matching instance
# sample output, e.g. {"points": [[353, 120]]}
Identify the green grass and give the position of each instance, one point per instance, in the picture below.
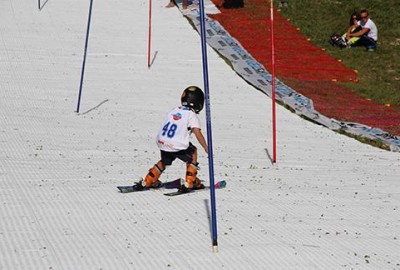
{"points": [[378, 71]]}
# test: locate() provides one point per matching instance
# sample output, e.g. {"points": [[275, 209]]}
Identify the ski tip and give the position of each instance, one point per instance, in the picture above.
{"points": [[221, 184], [123, 189]]}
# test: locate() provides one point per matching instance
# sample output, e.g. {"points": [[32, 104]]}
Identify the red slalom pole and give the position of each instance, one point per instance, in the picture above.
{"points": [[149, 39], [273, 85]]}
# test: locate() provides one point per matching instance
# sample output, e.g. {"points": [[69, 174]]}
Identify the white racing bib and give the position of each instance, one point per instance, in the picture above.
{"points": [[175, 131]]}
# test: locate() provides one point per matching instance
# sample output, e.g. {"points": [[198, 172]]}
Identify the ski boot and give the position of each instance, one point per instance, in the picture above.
{"points": [[139, 186], [151, 179], [191, 181]]}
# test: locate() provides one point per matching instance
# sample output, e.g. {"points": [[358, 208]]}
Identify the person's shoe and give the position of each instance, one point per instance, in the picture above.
{"points": [[333, 40], [338, 41], [342, 42]]}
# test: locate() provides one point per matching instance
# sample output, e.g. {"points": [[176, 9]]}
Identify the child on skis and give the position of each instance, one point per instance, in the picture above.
{"points": [[173, 140]]}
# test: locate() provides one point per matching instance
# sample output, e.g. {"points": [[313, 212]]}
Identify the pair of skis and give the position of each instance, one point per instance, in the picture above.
{"points": [[175, 184]]}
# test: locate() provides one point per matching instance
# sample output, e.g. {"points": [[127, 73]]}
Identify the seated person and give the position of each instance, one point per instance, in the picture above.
{"points": [[368, 35], [353, 27], [362, 32]]}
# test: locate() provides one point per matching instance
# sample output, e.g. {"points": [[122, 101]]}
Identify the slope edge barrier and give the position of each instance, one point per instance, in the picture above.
{"points": [[255, 74]]}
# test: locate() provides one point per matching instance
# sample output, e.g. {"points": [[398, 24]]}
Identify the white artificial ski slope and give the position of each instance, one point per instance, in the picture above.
{"points": [[329, 202]]}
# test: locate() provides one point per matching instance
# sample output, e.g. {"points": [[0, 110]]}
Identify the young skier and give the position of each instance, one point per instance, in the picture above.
{"points": [[173, 140]]}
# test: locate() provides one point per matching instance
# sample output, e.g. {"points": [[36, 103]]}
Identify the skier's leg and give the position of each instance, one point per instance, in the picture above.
{"points": [[191, 174], [189, 156], [153, 174], [151, 179], [192, 181]]}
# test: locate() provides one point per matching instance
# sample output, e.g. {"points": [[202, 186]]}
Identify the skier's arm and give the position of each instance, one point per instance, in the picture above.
{"points": [[200, 138]]}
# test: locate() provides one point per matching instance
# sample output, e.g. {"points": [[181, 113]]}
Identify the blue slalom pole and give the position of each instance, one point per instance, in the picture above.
{"points": [[209, 131], [84, 56]]}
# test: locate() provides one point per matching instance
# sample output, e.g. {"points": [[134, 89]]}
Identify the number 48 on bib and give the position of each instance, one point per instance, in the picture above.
{"points": [[169, 130]]}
